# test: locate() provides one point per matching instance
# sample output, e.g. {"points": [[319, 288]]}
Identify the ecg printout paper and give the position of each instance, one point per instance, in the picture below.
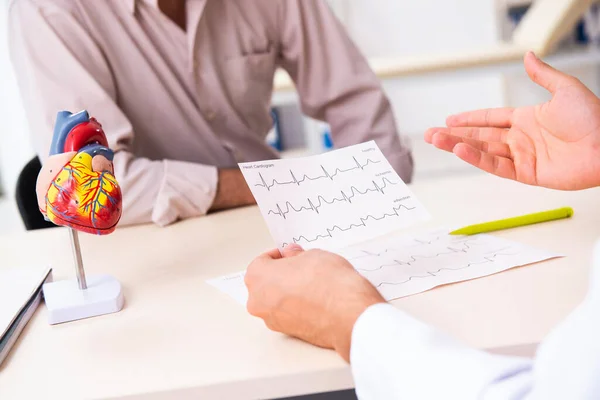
{"points": [[406, 265], [332, 200], [232, 285]]}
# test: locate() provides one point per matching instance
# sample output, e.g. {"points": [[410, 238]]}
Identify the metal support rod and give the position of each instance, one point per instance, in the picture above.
{"points": [[78, 260]]}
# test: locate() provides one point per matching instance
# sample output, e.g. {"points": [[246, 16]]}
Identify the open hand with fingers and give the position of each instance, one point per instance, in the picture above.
{"points": [[555, 144], [312, 295]]}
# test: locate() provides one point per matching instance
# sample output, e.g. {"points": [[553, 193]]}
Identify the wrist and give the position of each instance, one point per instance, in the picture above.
{"points": [[344, 325], [232, 190]]}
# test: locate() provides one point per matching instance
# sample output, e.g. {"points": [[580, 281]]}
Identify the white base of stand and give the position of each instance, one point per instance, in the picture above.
{"points": [[66, 302]]}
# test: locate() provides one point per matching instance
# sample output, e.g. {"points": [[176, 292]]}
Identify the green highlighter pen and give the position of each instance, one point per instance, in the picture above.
{"points": [[529, 219]]}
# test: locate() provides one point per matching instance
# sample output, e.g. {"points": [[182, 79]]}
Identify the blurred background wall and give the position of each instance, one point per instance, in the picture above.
{"points": [[15, 148]]}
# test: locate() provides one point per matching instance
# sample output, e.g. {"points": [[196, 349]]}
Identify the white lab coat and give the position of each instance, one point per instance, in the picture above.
{"points": [[395, 356]]}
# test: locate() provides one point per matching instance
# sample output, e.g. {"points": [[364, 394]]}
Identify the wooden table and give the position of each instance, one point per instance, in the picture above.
{"points": [[180, 338]]}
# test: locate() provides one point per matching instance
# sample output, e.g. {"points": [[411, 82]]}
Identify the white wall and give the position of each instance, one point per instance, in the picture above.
{"points": [[385, 28], [520, 91], [407, 27], [15, 147]]}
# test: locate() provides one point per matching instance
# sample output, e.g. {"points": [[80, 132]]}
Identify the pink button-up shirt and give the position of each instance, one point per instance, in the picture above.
{"points": [[176, 105]]}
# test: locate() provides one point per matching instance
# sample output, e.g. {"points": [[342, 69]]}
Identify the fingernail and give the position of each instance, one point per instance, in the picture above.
{"points": [[292, 250]]}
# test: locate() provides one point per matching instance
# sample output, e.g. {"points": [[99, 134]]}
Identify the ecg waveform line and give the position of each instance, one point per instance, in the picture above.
{"points": [[420, 243], [321, 201], [363, 223], [414, 258], [305, 177], [486, 260]]}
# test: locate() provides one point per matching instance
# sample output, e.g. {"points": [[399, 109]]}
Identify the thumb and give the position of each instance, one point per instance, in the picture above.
{"points": [[292, 250], [543, 74]]}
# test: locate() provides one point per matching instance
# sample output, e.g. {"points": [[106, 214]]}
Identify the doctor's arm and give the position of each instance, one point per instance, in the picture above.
{"points": [[318, 297]]}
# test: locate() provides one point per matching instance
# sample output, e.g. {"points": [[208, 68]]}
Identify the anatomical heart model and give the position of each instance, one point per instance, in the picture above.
{"points": [[76, 188]]}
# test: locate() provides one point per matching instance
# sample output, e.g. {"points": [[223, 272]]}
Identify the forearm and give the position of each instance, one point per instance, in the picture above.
{"points": [[163, 191], [232, 190], [166, 191]]}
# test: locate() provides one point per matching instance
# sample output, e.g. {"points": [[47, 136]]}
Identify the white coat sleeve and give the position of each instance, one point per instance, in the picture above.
{"points": [[395, 356]]}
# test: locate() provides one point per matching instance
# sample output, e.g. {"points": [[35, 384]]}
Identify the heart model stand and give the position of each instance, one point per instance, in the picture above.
{"points": [[81, 154], [71, 300]]}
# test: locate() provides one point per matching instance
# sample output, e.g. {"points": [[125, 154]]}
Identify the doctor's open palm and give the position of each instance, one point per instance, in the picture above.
{"points": [[555, 144]]}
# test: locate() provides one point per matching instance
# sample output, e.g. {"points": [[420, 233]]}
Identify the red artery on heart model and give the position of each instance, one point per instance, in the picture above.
{"points": [[76, 186]]}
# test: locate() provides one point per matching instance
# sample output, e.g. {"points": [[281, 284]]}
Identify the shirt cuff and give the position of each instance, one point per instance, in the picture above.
{"points": [[187, 190]]}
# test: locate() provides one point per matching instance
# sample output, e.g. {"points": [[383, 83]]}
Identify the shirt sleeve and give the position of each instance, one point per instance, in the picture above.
{"points": [[395, 356], [335, 82], [60, 67]]}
